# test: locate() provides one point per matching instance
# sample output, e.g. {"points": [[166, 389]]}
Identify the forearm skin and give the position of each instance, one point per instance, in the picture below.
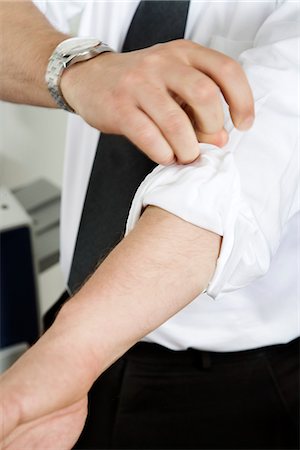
{"points": [[157, 270], [27, 40], [161, 266]]}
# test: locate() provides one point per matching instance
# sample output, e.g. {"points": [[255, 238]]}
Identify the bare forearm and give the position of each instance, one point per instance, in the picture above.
{"points": [[157, 270], [27, 41]]}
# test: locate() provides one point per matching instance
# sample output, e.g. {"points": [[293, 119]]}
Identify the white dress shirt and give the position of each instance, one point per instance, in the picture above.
{"points": [[247, 192]]}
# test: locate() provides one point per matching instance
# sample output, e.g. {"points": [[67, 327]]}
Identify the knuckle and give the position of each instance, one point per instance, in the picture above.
{"points": [[230, 67], [131, 79], [178, 43], [181, 48], [166, 159], [205, 92], [152, 59]]}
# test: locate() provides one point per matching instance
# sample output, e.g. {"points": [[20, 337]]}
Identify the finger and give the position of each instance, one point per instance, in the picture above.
{"points": [[141, 130], [202, 96], [219, 139], [231, 79], [172, 121]]}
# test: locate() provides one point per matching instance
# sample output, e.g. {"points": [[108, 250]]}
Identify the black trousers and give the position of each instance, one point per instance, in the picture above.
{"points": [[155, 398]]}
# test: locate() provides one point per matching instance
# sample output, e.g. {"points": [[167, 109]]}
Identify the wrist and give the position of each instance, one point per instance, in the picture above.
{"points": [[71, 80], [46, 49], [68, 53], [77, 82], [84, 323]]}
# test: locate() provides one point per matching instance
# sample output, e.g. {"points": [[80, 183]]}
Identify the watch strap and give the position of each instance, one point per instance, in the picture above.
{"points": [[53, 76]]}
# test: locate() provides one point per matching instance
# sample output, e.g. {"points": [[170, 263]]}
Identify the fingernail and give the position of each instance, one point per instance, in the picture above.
{"points": [[246, 124]]}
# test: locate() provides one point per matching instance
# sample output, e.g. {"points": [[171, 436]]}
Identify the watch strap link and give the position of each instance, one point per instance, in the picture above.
{"points": [[53, 76]]}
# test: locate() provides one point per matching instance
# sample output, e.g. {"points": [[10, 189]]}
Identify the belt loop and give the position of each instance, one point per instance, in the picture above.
{"points": [[206, 360], [201, 359]]}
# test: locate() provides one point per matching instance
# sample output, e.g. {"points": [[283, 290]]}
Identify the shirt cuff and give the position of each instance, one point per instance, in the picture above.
{"points": [[206, 193]]}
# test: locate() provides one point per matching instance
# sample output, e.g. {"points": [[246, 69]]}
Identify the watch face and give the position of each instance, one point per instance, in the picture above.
{"points": [[76, 45]]}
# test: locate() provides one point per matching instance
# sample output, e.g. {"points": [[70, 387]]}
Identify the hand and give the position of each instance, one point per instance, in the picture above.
{"points": [[43, 396], [59, 430], [163, 98]]}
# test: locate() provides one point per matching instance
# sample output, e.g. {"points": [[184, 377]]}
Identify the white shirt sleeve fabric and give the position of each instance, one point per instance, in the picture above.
{"points": [[60, 13], [249, 190]]}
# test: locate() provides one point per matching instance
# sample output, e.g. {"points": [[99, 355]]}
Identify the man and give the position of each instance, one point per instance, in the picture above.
{"points": [[229, 377]]}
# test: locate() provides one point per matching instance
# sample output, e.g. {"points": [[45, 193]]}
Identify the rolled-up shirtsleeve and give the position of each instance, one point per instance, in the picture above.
{"points": [[248, 191]]}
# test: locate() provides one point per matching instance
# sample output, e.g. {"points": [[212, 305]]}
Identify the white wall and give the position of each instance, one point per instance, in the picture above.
{"points": [[32, 146]]}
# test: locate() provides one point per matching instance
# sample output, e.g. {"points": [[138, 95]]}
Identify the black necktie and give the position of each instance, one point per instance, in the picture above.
{"points": [[119, 167]]}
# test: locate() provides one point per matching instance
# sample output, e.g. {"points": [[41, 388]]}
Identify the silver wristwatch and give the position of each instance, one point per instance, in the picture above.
{"points": [[67, 53]]}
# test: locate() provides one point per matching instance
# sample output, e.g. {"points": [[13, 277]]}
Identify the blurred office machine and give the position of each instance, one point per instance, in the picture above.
{"points": [[29, 239]]}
